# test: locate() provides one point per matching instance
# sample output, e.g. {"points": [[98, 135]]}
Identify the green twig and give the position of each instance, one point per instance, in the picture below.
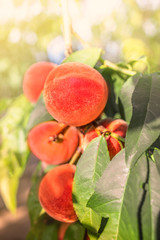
{"points": [[108, 64]]}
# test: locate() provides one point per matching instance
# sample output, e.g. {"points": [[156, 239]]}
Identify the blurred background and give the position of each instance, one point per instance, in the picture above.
{"points": [[31, 31]]}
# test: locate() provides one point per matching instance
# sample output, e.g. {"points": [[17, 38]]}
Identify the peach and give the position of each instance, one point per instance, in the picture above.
{"points": [[55, 193], [34, 79], [113, 130], [53, 142], [75, 93], [62, 230]]}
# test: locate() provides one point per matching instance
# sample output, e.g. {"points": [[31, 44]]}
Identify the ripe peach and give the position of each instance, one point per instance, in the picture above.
{"points": [[75, 93], [53, 142], [34, 79], [55, 193], [62, 230], [113, 130]]}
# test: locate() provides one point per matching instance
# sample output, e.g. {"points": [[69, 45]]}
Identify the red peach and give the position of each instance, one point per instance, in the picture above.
{"points": [[34, 79], [62, 230], [55, 193], [75, 93], [117, 126], [53, 142], [113, 130]]}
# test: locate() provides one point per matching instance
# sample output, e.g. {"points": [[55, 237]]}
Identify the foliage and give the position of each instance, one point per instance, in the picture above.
{"points": [[89, 169], [75, 231], [14, 150], [116, 199], [87, 56], [39, 114]]}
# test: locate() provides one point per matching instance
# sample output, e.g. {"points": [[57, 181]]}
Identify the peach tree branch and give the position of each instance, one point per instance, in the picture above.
{"points": [[67, 30]]}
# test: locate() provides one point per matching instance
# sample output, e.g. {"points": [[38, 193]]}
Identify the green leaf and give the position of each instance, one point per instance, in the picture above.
{"points": [[92, 235], [125, 104], [75, 232], [118, 195], [141, 64], [44, 229], [50, 232], [39, 114], [156, 144], [16, 116], [110, 230], [150, 214], [4, 104], [89, 56], [34, 207], [9, 182], [156, 157], [114, 82], [14, 150], [145, 122], [89, 169]]}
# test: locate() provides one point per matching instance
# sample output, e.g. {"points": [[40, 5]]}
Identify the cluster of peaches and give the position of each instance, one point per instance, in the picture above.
{"points": [[75, 95]]}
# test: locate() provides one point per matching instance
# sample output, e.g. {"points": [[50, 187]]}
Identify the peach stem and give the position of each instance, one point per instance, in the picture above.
{"points": [[76, 155], [59, 136], [83, 42]]}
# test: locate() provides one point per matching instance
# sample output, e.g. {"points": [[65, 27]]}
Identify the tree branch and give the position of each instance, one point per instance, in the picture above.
{"points": [[113, 66], [66, 27]]}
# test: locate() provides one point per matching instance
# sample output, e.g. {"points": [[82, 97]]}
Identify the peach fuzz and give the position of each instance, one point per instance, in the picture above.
{"points": [[55, 193], [53, 142], [34, 78], [75, 93], [113, 131]]}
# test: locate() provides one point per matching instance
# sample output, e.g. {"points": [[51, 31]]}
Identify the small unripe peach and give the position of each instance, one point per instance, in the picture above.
{"points": [[53, 142], [113, 130], [34, 78], [75, 93], [55, 193]]}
